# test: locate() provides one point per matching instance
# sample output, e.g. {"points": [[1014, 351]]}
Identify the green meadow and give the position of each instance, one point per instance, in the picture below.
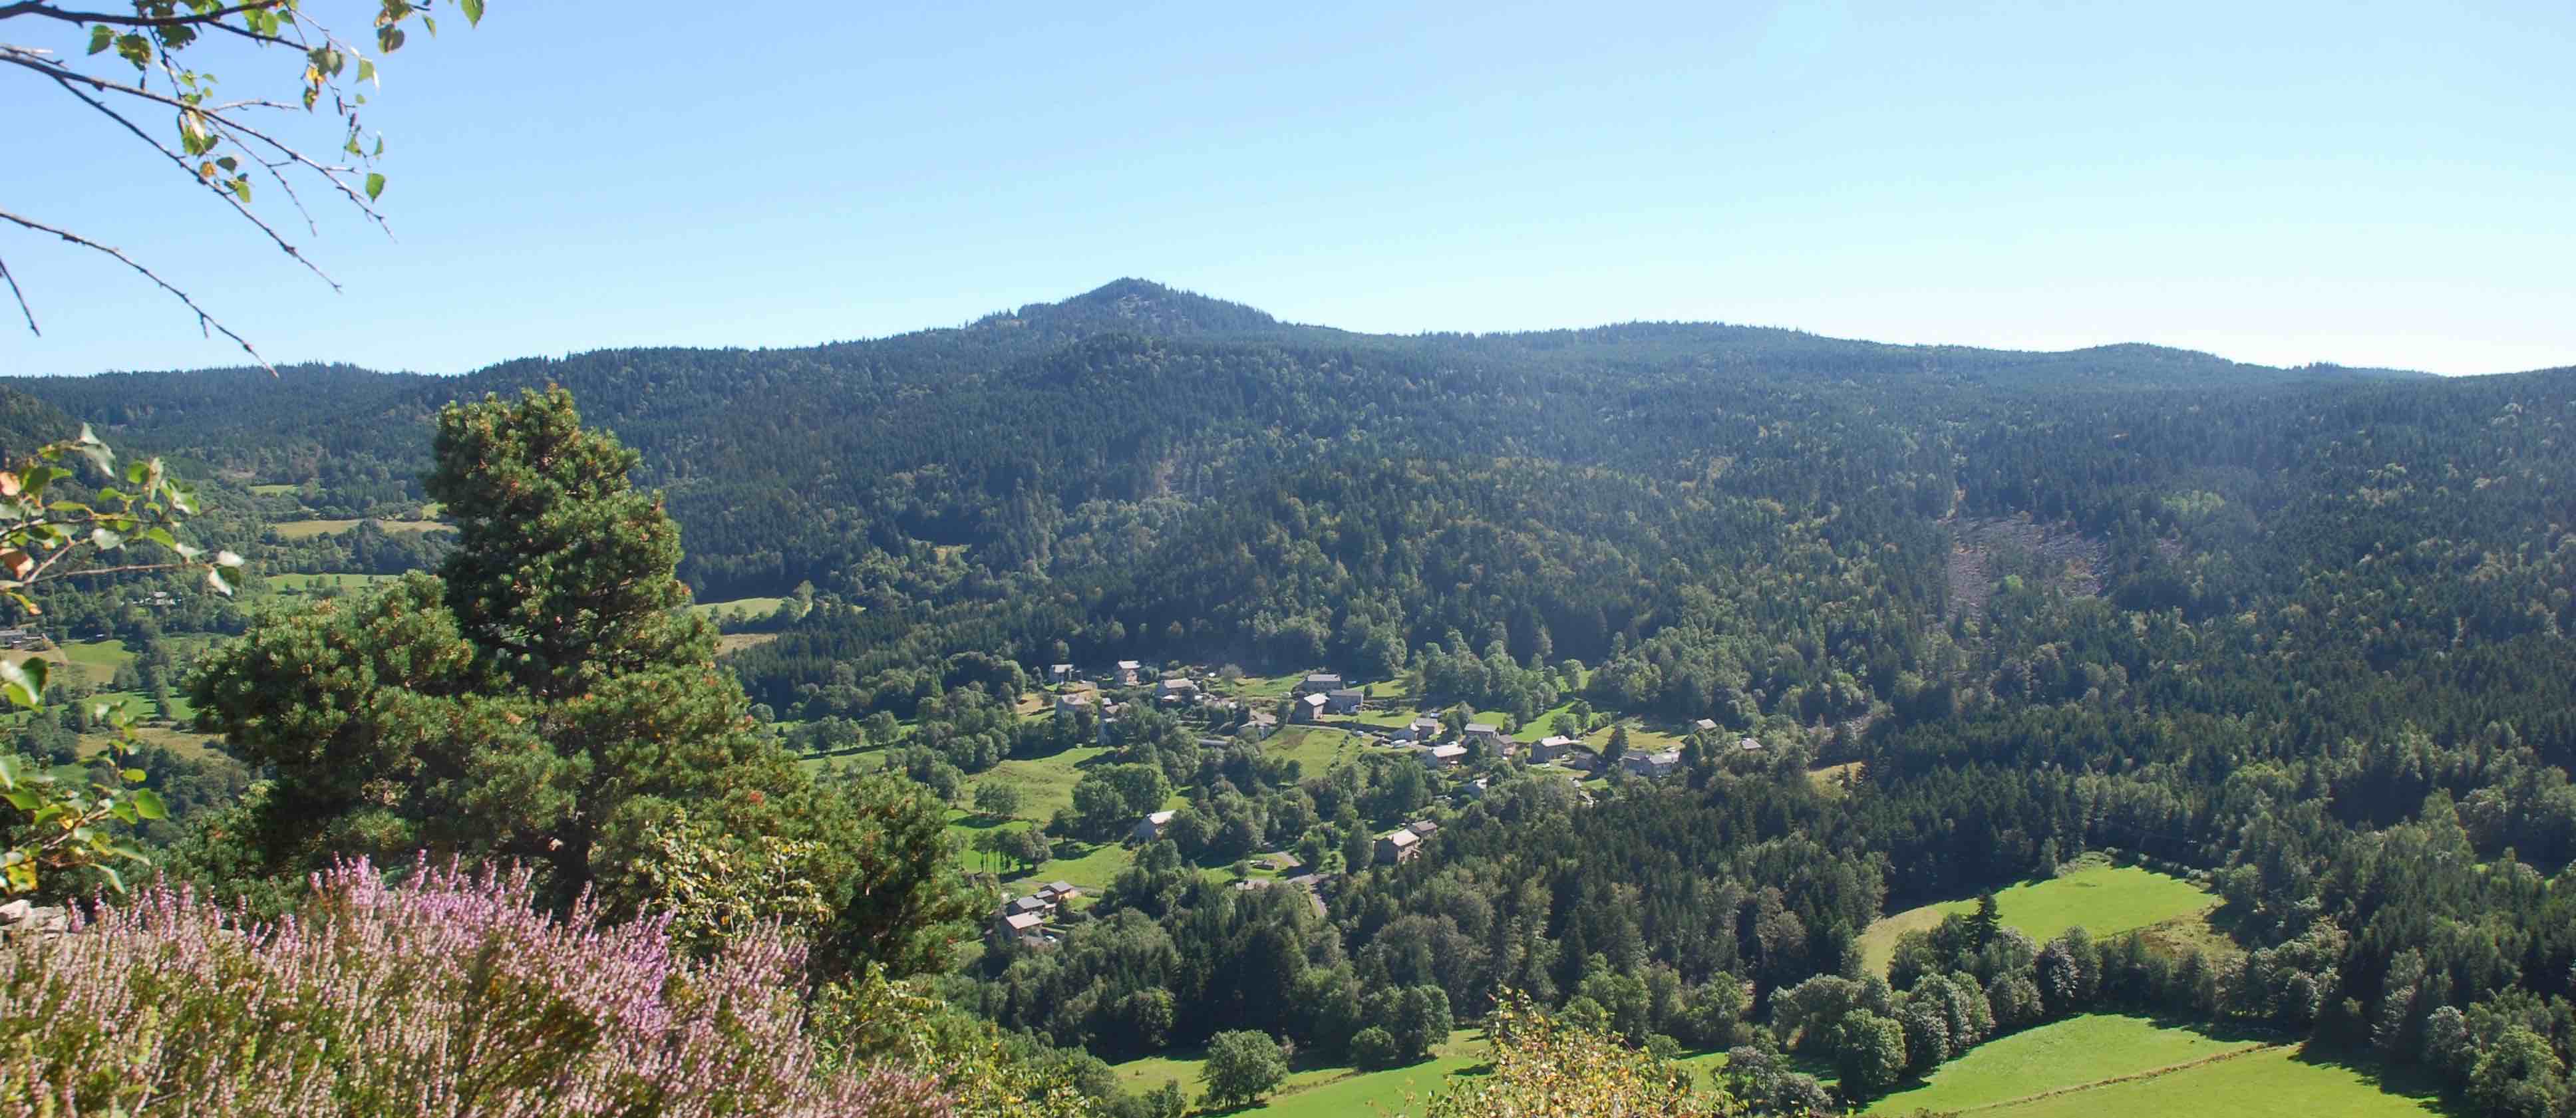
{"points": [[2104, 898], [2270, 1083], [2085, 1049], [1327, 1092]]}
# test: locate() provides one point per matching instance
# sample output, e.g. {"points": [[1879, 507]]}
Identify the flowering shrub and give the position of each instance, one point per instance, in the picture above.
{"points": [[1550, 1068], [446, 995]]}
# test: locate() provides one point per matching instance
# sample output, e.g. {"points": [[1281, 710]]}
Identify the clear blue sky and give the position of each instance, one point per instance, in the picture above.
{"points": [[2367, 183]]}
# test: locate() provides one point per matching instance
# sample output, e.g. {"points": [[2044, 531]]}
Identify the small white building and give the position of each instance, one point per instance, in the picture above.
{"points": [[1151, 827]]}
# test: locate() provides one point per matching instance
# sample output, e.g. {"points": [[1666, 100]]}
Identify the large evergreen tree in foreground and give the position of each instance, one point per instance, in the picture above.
{"points": [[548, 699]]}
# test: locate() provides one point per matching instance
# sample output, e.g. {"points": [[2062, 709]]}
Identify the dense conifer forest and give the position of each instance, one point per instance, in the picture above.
{"points": [[1922, 622]]}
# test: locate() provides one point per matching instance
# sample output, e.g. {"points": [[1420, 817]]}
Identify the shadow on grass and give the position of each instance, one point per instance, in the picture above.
{"points": [[2410, 1083], [2222, 1030]]}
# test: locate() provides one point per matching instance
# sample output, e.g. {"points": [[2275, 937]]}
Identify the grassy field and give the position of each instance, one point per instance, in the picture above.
{"points": [[108, 654], [2086, 1049], [1326, 1092], [1045, 783], [1314, 749], [736, 642], [1273, 687], [141, 704], [1640, 739], [195, 747], [275, 489], [748, 607], [306, 583], [1830, 777], [307, 529], [2106, 899], [1091, 867], [2272, 1083]]}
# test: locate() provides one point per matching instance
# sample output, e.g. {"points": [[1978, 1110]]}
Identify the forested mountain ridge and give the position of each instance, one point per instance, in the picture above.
{"points": [[790, 465]]}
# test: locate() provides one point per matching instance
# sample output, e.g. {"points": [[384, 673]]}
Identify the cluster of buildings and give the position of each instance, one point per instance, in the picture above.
{"points": [[1175, 693], [21, 640], [1023, 920], [1325, 693]]}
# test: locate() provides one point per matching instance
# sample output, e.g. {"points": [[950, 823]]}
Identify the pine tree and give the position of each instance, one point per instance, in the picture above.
{"points": [[546, 700], [1987, 922]]}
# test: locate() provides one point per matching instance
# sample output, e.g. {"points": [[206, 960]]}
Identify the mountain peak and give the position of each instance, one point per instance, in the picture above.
{"points": [[1137, 305]]}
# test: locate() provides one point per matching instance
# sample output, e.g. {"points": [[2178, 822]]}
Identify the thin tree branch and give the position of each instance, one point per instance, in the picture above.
{"points": [[204, 321], [23, 308], [229, 198], [50, 68], [200, 19]]}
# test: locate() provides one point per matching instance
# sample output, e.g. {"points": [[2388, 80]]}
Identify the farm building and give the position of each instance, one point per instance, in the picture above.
{"points": [[1397, 847], [1309, 709], [1151, 827]]}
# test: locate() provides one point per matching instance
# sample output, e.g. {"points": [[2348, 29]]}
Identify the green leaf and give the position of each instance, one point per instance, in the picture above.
{"points": [[148, 802], [23, 799], [8, 771], [114, 880], [135, 776], [227, 559], [100, 38], [241, 187], [366, 70], [106, 540], [375, 185], [25, 677], [215, 582], [473, 12]]}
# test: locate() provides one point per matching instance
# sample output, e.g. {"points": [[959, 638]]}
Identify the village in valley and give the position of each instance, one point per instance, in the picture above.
{"points": [[1312, 723]]}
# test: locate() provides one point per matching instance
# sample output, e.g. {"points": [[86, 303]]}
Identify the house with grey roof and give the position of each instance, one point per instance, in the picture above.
{"points": [[1397, 847], [1309, 708], [1652, 764]]}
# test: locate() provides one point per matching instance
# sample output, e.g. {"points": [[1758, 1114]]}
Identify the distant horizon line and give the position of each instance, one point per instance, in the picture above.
{"points": [[1015, 311]]}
